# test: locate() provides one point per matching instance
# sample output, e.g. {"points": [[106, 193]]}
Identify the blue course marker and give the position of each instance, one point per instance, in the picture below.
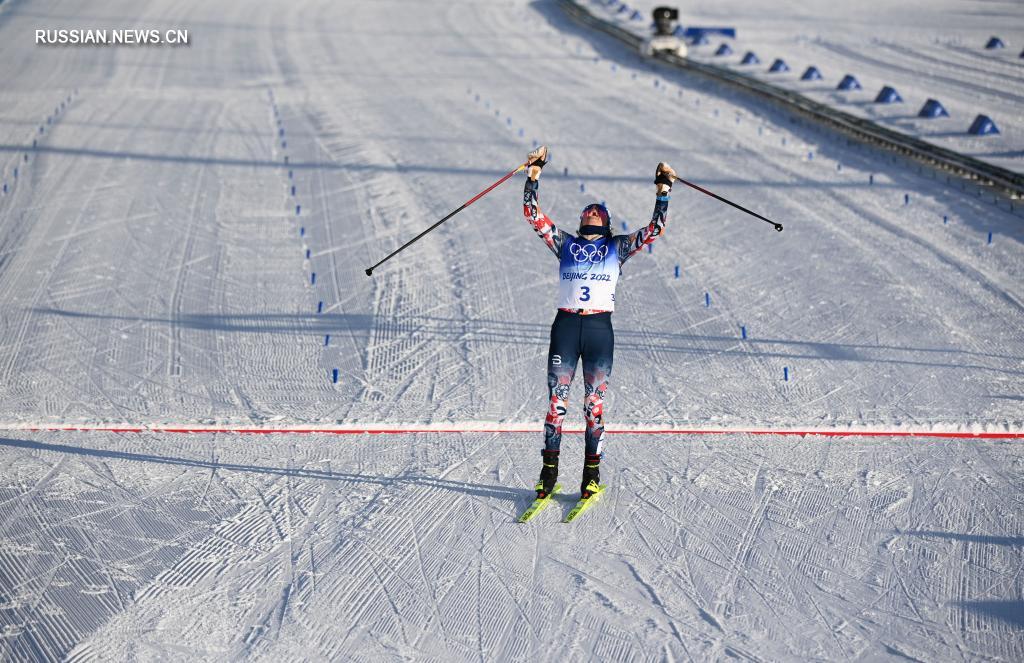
{"points": [[707, 299], [743, 332], [320, 307], [677, 271], [312, 278], [334, 375], [785, 373], [327, 340]]}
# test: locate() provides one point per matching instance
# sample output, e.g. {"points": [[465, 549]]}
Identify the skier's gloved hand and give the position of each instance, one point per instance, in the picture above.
{"points": [[663, 178], [537, 159]]}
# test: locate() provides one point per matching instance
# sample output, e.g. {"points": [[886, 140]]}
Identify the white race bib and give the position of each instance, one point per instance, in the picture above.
{"points": [[588, 273]]}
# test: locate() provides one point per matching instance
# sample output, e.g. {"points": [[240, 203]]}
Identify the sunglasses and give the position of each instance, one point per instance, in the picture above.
{"points": [[601, 210]]}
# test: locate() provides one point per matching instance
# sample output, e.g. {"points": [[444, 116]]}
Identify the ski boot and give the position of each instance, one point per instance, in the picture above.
{"points": [[591, 476], [548, 473]]}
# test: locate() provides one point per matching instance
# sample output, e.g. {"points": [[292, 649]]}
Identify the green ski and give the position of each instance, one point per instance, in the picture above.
{"points": [[538, 505], [583, 505]]}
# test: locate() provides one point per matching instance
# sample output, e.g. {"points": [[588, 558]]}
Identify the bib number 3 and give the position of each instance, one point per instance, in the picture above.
{"points": [[585, 297]]}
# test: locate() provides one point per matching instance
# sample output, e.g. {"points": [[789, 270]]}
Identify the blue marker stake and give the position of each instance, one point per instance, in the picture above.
{"points": [[290, 174], [284, 144], [707, 299], [298, 209], [743, 332], [906, 199], [945, 219], [650, 248], [810, 156], [582, 188], [990, 238], [327, 340], [785, 373], [320, 307], [565, 172], [871, 179], [293, 189], [312, 278], [677, 271], [334, 375], [302, 231], [839, 167], [307, 254]]}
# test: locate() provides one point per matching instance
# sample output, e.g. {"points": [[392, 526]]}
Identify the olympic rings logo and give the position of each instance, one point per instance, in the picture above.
{"points": [[588, 252]]}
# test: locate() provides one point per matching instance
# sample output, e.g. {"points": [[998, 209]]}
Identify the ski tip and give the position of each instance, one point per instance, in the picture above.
{"points": [[538, 504]]}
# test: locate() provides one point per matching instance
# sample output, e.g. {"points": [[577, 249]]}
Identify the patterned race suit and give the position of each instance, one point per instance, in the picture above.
{"points": [[584, 333]]}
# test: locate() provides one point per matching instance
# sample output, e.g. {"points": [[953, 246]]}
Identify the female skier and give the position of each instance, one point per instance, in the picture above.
{"points": [[589, 266]]}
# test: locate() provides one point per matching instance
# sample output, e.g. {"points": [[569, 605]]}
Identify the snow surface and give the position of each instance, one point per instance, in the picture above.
{"points": [[924, 49], [153, 271]]}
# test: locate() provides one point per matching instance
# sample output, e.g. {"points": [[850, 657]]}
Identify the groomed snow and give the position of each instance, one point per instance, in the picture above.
{"points": [[157, 271]]}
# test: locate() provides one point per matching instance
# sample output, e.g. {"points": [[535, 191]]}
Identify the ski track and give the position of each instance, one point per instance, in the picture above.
{"points": [[153, 268]]}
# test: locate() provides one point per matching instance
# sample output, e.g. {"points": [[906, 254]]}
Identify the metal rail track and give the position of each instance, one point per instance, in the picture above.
{"points": [[1001, 180]]}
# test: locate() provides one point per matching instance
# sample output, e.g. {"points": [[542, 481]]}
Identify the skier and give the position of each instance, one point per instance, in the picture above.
{"points": [[589, 266]]}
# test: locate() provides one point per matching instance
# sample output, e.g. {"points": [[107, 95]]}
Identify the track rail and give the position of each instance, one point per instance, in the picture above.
{"points": [[1001, 180]]}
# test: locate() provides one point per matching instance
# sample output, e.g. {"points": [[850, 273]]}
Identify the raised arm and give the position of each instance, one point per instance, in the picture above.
{"points": [[542, 225], [633, 243]]}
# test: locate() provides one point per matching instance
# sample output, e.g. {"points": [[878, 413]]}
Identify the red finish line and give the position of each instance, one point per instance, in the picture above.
{"points": [[411, 430]]}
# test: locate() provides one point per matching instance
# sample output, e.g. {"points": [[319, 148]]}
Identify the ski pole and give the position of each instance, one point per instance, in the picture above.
{"points": [[778, 226], [369, 270]]}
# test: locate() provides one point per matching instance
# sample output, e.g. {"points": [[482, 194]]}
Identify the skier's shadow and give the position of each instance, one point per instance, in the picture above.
{"points": [[517, 496]]}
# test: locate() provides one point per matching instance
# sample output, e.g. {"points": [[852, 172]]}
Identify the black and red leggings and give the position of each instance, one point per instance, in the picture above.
{"points": [[574, 337]]}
